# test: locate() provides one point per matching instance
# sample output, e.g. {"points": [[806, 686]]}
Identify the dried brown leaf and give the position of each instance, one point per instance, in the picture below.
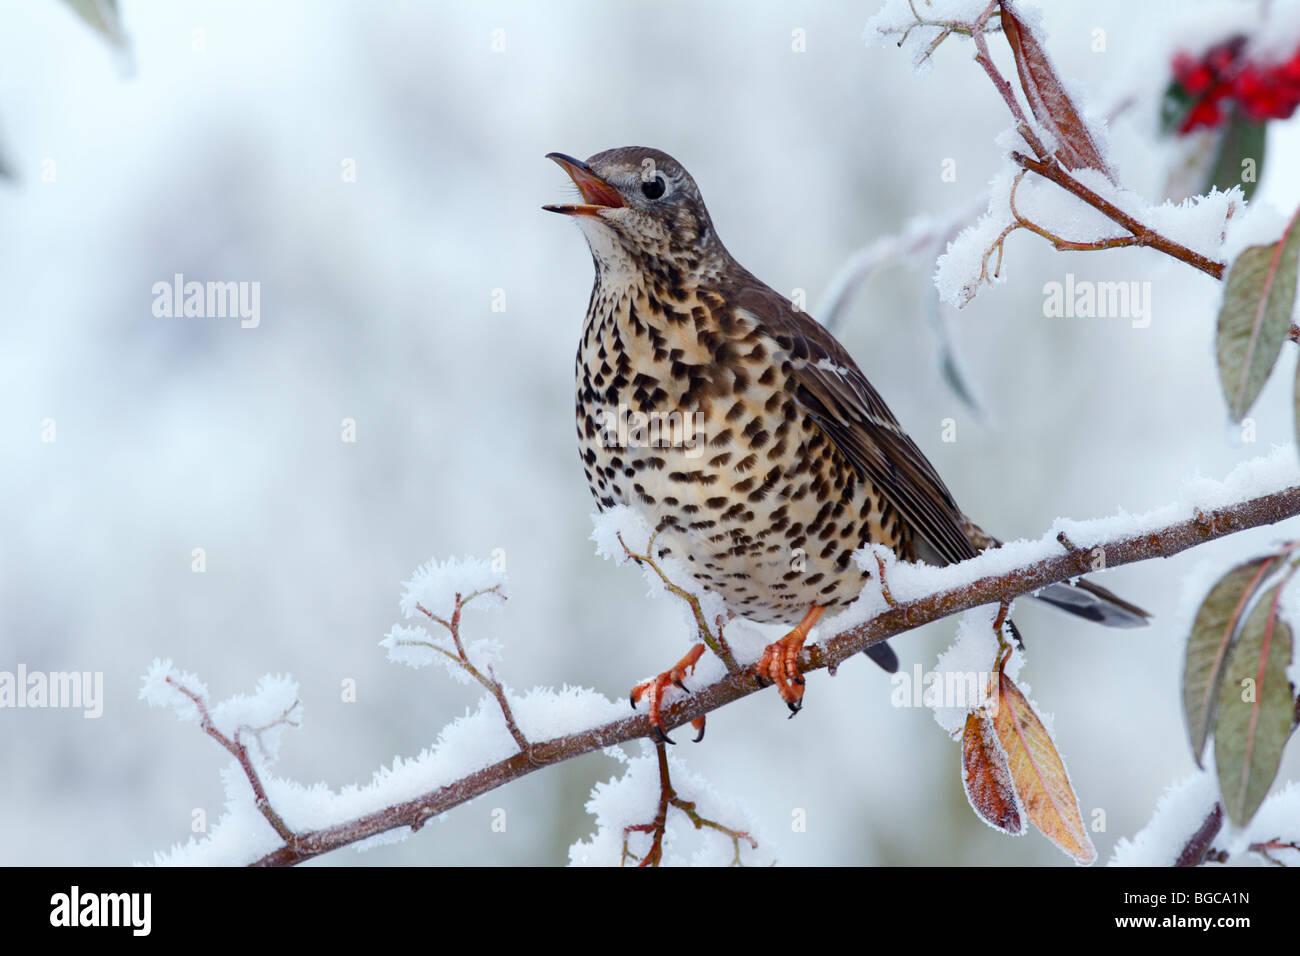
{"points": [[1038, 773]]}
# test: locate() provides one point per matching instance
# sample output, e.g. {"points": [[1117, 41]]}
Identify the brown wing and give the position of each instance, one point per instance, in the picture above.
{"points": [[851, 412]]}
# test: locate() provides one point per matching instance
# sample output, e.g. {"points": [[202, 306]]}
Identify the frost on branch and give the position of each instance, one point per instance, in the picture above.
{"points": [[964, 672], [437, 593], [1018, 201], [646, 818], [919, 26], [250, 824], [1189, 828], [621, 535]]}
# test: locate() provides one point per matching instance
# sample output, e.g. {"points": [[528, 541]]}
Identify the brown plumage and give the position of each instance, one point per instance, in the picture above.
{"points": [[796, 460]]}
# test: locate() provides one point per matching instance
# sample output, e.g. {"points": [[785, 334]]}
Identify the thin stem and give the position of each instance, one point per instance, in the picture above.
{"points": [[1141, 235], [488, 680], [716, 643], [658, 826], [236, 748], [1163, 542]]}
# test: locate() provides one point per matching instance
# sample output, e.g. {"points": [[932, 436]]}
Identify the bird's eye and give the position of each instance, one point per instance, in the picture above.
{"points": [[653, 188]]}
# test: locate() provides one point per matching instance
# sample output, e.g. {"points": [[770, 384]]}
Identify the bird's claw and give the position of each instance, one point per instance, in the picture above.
{"points": [[654, 689]]}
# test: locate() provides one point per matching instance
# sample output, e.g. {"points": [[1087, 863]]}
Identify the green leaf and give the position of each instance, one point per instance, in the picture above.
{"points": [[1174, 107], [1256, 316], [103, 17], [1241, 140], [1216, 625], [1256, 710]]}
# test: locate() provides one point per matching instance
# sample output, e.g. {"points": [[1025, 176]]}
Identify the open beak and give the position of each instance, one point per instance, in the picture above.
{"points": [[596, 193]]}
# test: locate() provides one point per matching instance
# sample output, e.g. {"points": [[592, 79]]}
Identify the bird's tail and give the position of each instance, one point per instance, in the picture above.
{"points": [[1092, 602], [883, 655]]}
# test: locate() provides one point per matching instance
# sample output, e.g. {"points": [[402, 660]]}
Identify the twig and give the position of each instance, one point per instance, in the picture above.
{"points": [[1162, 543], [1046, 165], [237, 750], [1141, 234], [1198, 847], [1275, 844], [657, 827], [716, 642], [488, 680]]}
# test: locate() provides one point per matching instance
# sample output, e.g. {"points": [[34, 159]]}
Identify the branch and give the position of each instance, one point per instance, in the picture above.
{"points": [[1049, 166], [1158, 542], [658, 827], [488, 680], [235, 746], [1142, 235]]}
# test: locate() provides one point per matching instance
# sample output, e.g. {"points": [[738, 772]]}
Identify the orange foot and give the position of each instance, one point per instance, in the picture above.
{"points": [[654, 689], [779, 663]]}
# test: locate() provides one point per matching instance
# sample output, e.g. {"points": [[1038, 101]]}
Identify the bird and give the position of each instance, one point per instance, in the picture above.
{"points": [[793, 461]]}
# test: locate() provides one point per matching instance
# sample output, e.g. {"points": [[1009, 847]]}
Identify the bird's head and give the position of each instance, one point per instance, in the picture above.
{"points": [[639, 205]]}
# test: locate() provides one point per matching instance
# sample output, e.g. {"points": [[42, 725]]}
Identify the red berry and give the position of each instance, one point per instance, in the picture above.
{"points": [[1205, 113]]}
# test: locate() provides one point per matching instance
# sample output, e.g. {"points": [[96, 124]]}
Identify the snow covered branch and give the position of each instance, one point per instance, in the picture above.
{"points": [[1063, 148], [919, 594], [1139, 234]]}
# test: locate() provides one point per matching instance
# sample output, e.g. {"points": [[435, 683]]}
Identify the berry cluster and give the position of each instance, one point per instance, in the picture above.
{"points": [[1222, 80]]}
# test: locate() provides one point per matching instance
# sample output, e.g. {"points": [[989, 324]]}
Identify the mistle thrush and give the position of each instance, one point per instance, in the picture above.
{"points": [[797, 461]]}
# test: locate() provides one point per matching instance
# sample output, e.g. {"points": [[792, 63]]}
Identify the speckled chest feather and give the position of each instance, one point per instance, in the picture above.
{"points": [[685, 413]]}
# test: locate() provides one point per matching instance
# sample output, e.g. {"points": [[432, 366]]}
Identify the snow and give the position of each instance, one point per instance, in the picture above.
{"points": [[1183, 807], [261, 716], [158, 693], [414, 647], [1278, 818], [910, 581], [633, 799], [1259, 225], [1179, 812], [435, 585], [1277, 38], [624, 521], [1199, 222], [967, 666], [480, 737], [896, 25], [472, 742]]}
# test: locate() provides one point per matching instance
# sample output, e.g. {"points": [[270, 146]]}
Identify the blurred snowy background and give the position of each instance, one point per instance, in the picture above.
{"points": [[220, 155]]}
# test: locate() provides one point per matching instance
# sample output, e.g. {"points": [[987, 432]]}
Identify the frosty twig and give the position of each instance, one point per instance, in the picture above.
{"points": [[239, 751], [1163, 542], [657, 827], [488, 680]]}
